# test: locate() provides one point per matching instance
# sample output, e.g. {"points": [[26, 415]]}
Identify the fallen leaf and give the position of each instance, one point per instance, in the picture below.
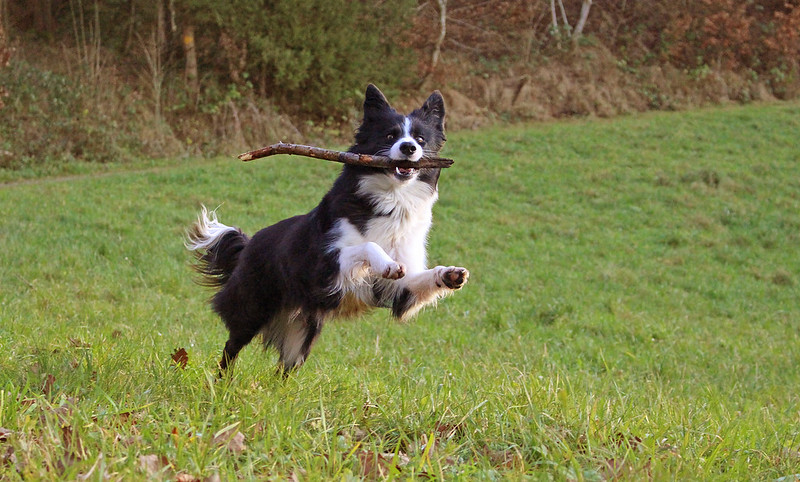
{"points": [[73, 446], [613, 468], [129, 440], [78, 343], [236, 443], [447, 430], [182, 477], [231, 438], [294, 477], [180, 357], [501, 459], [8, 457], [152, 464], [374, 465], [48, 384], [631, 441]]}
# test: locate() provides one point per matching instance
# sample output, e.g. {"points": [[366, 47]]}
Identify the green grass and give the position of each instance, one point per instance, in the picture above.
{"points": [[633, 312]]}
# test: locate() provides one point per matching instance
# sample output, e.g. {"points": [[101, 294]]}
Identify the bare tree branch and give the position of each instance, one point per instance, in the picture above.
{"points": [[343, 157]]}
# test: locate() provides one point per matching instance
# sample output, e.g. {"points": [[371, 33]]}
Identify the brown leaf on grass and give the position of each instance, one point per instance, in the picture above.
{"points": [[152, 464], [374, 465], [78, 343], [213, 478], [297, 475], [236, 443], [129, 440], [231, 438], [180, 357], [124, 418], [8, 457], [502, 459], [73, 446], [184, 477], [47, 387], [631, 441], [354, 433], [615, 469], [448, 430]]}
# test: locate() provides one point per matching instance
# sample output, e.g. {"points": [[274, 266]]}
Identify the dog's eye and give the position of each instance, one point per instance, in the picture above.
{"points": [[420, 140], [389, 137]]}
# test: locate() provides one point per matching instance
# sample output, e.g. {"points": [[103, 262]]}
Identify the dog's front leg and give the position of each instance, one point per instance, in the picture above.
{"points": [[419, 289], [356, 262]]}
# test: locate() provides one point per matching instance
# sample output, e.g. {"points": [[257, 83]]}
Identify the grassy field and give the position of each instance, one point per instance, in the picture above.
{"points": [[633, 312]]}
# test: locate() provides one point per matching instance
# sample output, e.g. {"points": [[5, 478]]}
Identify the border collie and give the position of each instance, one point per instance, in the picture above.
{"points": [[363, 246]]}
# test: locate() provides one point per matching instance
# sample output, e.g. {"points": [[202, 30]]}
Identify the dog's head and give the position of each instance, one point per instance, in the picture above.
{"points": [[402, 137]]}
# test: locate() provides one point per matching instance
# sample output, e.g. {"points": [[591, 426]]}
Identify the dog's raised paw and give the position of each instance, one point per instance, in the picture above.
{"points": [[394, 271], [455, 277]]}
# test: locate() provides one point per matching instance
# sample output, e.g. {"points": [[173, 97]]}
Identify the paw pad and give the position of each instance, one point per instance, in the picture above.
{"points": [[454, 278], [394, 271]]}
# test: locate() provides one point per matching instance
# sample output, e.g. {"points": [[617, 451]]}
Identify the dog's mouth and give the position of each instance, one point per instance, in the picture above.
{"points": [[404, 172]]}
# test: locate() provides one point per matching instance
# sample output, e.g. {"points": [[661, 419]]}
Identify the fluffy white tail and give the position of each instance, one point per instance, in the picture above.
{"points": [[206, 232]]}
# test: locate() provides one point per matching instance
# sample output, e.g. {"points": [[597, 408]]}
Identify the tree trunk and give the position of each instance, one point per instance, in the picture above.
{"points": [[161, 25], [554, 29], [564, 16], [190, 52], [43, 16], [437, 48], [587, 4], [5, 53]]}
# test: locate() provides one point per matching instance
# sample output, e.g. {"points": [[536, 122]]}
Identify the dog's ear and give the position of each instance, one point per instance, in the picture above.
{"points": [[433, 110], [374, 101]]}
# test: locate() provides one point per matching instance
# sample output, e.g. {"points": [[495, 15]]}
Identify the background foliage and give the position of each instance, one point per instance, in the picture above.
{"points": [[115, 79]]}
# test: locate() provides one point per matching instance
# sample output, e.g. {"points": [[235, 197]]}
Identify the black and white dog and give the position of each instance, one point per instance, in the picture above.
{"points": [[363, 246]]}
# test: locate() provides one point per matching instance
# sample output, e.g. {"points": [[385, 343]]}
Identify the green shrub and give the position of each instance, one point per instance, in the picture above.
{"points": [[48, 116], [316, 55]]}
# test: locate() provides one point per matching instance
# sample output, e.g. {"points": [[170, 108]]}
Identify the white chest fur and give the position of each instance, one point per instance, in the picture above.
{"points": [[405, 217]]}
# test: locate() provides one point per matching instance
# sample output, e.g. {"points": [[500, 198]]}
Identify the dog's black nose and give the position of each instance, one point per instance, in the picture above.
{"points": [[407, 148]]}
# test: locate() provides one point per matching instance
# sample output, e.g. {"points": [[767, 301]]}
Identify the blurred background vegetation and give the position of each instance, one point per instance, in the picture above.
{"points": [[113, 80]]}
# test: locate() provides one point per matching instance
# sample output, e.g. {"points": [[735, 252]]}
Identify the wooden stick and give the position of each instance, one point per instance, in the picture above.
{"points": [[343, 157]]}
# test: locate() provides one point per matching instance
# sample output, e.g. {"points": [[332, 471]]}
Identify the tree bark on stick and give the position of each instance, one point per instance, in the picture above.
{"points": [[344, 157]]}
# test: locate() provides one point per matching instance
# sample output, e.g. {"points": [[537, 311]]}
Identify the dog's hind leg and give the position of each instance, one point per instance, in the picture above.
{"points": [[419, 289], [298, 337], [232, 348]]}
